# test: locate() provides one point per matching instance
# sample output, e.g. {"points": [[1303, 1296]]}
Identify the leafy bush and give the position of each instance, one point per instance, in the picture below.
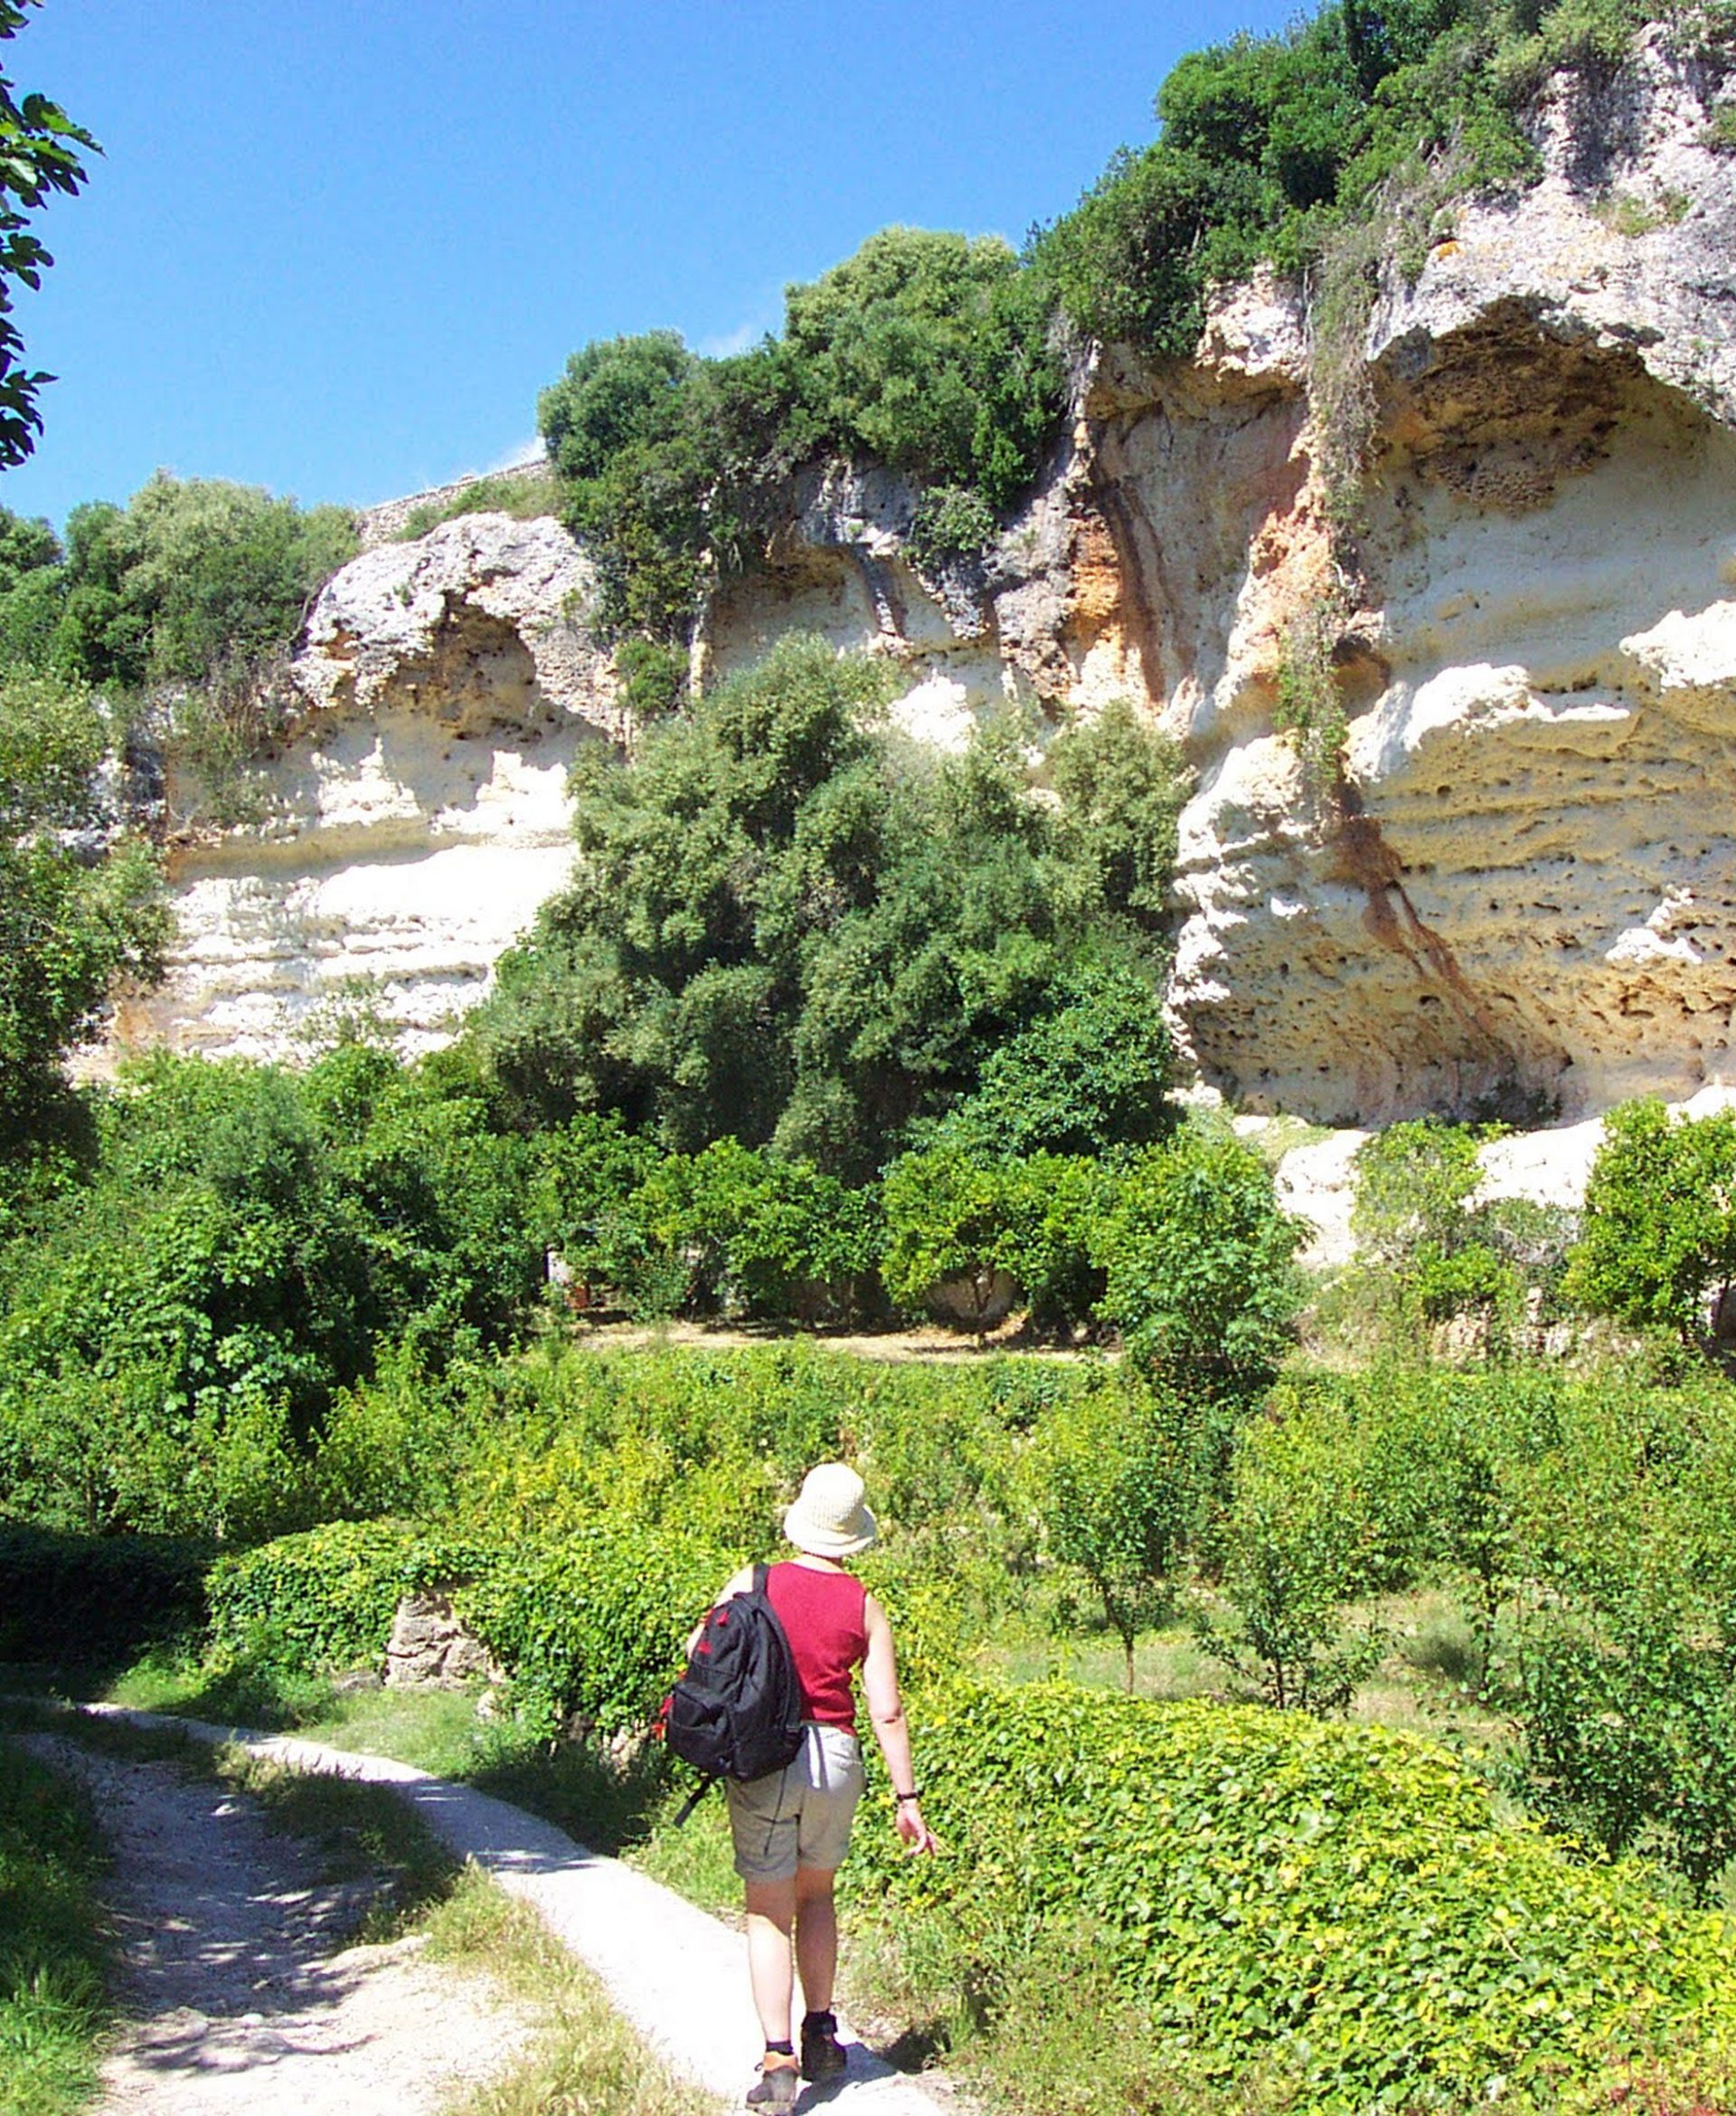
{"points": [[952, 1220], [928, 351], [768, 1237], [1293, 1548], [1200, 1264], [1270, 145], [1428, 1250], [590, 1622], [1659, 1236], [192, 576], [785, 930], [1340, 1904], [1083, 1078], [82, 1597], [1102, 1479], [595, 1623], [1627, 1718], [78, 906], [178, 1329]]}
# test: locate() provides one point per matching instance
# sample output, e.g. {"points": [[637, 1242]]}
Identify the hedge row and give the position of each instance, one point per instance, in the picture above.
{"points": [[90, 1598], [592, 1623], [1340, 1902]]}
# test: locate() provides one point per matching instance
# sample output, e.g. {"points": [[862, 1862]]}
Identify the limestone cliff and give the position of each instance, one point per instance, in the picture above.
{"points": [[1521, 896]]}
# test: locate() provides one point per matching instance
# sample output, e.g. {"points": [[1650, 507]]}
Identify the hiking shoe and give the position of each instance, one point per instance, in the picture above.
{"points": [[823, 2055], [778, 2085]]}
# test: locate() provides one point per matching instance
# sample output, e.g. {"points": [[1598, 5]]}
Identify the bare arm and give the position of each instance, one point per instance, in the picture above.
{"points": [[886, 1715]]}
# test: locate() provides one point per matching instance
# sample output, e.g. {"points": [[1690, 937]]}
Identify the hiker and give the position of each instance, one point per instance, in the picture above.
{"points": [[792, 1828]]}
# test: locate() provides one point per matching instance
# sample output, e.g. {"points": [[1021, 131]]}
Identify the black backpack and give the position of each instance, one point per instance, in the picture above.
{"points": [[737, 1710]]}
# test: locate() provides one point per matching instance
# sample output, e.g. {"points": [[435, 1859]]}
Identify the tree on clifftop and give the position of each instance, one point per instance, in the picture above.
{"points": [[39, 155]]}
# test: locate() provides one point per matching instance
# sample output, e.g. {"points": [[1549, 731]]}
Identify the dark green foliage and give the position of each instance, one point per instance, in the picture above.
{"points": [[1339, 1903], [927, 351], [77, 908], [193, 577], [1269, 145], [40, 150], [1086, 1078], [324, 1599], [761, 1236], [1660, 1236], [785, 928], [89, 1600], [590, 1622]]}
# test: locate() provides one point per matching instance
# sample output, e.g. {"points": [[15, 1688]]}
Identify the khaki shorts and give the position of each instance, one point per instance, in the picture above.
{"points": [[800, 1816]]}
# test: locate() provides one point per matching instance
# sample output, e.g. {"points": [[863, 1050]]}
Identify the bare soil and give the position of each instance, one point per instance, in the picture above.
{"points": [[240, 1994]]}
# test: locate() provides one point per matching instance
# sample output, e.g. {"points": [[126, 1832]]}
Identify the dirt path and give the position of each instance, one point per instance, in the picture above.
{"points": [[240, 1996]]}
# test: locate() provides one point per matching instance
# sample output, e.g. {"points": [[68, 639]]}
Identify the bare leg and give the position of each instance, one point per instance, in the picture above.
{"points": [[817, 1935], [771, 1912]]}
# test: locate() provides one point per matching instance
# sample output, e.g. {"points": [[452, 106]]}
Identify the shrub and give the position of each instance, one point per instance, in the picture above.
{"points": [[768, 1237], [1200, 1264], [1339, 1903], [192, 575], [595, 1623], [81, 1598], [1294, 1549], [78, 908], [928, 351], [1659, 1236], [1086, 1077], [1102, 1479], [785, 930], [324, 1599], [1627, 1714]]}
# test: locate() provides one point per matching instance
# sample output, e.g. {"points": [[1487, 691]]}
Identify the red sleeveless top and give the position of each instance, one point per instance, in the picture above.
{"points": [[822, 1613]]}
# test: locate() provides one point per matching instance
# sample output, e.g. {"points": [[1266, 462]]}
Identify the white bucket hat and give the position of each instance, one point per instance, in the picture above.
{"points": [[829, 1518]]}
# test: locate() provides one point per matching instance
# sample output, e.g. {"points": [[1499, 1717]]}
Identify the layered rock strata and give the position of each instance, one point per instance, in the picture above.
{"points": [[1520, 896]]}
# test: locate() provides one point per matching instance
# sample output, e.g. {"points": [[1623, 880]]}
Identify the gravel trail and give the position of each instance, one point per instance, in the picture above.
{"points": [[239, 1996]]}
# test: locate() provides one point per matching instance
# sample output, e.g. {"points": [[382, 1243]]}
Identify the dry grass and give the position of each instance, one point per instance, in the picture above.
{"points": [[583, 2059]]}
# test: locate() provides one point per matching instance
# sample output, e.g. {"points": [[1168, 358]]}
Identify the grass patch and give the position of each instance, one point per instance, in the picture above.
{"points": [[584, 2057], [523, 494], [360, 1831], [53, 2010]]}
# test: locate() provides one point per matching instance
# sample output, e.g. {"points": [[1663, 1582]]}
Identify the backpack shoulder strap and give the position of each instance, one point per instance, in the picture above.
{"points": [[762, 1574]]}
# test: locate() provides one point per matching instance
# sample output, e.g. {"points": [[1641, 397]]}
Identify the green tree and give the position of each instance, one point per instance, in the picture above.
{"points": [[1658, 1243], [193, 577], [1200, 1259], [39, 149], [1293, 1549], [1102, 1481], [78, 907], [787, 928]]}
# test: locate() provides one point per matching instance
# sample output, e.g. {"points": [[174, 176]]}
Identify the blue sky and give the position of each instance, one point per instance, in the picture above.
{"points": [[337, 248]]}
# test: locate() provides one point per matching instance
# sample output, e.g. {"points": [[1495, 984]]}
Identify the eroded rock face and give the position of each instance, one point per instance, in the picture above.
{"points": [[1522, 902], [1521, 899], [416, 813]]}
